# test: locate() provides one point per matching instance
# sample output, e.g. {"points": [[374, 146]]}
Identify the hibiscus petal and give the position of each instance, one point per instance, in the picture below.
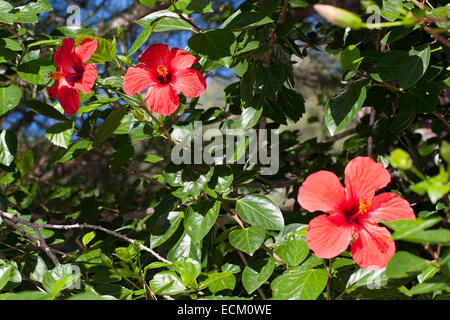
{"points": [[373, 247], [190, 82], [53, 91], [155, 55], [364, 176], [137, 79], [65, 58], [328, 236], [181, 59], [69, 99], [86, 49], [389, 206], [162, 99], [89, 77], [322, 191]]}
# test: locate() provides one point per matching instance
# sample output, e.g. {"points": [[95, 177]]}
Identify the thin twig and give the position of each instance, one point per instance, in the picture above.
{"points": [[438, 37], [442, 118], [45, 247], [370, 140], [84, 226], [41, 244]]}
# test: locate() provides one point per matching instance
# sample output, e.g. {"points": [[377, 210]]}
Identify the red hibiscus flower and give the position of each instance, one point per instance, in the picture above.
{"points": [[73, 73], [353, 210], [164, 72]]}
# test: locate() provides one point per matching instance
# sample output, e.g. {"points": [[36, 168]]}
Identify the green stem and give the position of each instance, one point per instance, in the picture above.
{"points": [[160, 125], [383, 24], [330, 262]]}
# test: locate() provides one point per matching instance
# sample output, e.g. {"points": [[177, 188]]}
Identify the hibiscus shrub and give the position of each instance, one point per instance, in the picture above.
{"points": [[119, 180]]}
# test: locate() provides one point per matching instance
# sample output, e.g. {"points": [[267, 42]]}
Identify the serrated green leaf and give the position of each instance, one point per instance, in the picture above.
{"points": [[414, 66]]}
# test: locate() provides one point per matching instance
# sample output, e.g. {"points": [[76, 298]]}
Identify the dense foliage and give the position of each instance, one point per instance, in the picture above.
{"points": [[119, 199]]}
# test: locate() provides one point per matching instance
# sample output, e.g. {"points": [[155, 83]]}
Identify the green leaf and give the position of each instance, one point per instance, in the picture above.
{"points": [[5, 7], [26, 295], [189, 269], [428, 273], [167, 283], [294, 250], [243, 20], [191, 178], [256, 274], [8, 147], [389, 65], [25, 162], [60, 133], [404, 264], [444, 262], [163, 21], [88, 237], [444, 151], [422, 98], [434, 284], [340, 110], [435, 236], [260, 211], [214, 44], [300, 285], [36, 71], [44, 109], [148, 3], [35, 268], [141, 39], [292, 103], [249, 117], [150, 158], [366, 278], [110, 124], [414, 66], [185, 247], [9, 98], [200, 218], [192, 6], [106, 50], [406, 227], [248, 240], [222, 179], [350, 57], [5, 271], [60, 278], [219, 281], [164, 224], [10, 44], [389, 9]]}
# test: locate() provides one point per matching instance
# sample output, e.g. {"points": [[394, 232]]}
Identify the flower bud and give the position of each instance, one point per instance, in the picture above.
{"points": [[400, 159], [338, 16], [120, 33]]}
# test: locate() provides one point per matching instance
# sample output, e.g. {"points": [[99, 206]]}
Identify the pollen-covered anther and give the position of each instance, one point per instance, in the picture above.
{"points": [[57, 75], [162, 70], [364, 206]]}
